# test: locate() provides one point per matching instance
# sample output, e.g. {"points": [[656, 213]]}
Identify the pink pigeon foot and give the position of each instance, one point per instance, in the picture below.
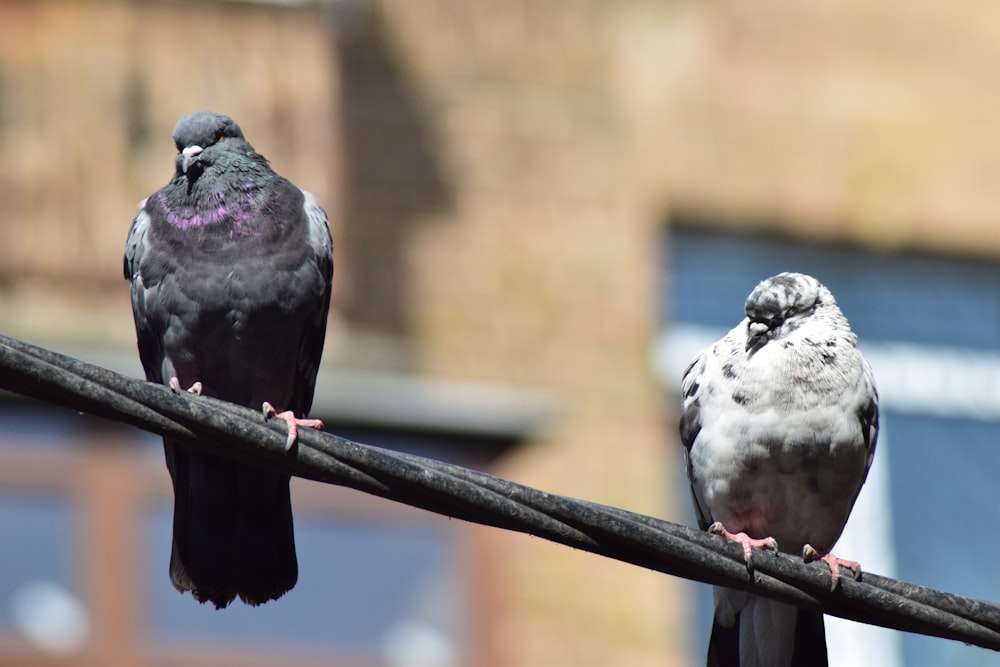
{"points": [[292, 421], [810, 554], [175, 385], [748, 543]]}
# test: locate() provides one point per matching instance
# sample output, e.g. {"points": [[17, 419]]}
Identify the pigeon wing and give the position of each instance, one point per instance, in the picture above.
{"points": [[314, 330], [690, 427]]}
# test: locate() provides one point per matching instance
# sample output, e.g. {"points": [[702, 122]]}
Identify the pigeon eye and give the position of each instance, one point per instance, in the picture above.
{"points": [[219, 139]]}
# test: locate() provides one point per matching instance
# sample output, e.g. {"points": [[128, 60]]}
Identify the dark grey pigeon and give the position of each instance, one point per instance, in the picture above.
{"points": [[230, 266]]}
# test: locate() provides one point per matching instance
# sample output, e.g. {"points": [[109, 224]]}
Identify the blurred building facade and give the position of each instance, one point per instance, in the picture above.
{"points": [[523, 198]]}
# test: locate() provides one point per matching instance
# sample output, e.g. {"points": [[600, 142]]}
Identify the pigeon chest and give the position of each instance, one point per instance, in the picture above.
{"points": [[235, 323], [793, 477]]}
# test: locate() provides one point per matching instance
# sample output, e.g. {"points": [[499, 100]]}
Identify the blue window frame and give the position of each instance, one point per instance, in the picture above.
{"points": [[360, 584], [376, 580]]}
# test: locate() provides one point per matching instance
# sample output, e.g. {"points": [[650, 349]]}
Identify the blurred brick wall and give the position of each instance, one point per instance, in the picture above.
{"points": [[542, 275], [478, 168], [89, 94], [531, 263], [497, 176], [850, 122]]}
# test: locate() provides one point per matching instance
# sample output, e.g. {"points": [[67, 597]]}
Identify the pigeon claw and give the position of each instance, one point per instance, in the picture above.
{"points": [[810, 554], [748, 543], [292, 421], [175, 385]]}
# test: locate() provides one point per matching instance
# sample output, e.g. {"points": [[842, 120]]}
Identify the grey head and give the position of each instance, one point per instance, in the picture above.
{"points": [[201, 137], [780, 304]]}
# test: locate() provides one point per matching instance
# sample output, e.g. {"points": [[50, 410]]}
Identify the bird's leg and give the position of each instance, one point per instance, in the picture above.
{"points": [[810, 554], [175, 385], [748, 543], [292, 421]]}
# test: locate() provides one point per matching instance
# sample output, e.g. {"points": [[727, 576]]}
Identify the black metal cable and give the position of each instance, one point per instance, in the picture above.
{"points": [[241, 433]]}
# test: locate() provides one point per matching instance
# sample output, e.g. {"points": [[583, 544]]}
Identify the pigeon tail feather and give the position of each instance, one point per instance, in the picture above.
{"points": [[767, 633], [233, 531]]}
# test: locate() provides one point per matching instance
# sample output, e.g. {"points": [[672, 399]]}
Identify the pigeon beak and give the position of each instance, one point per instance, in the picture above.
{"points": [[190, 154], [757, 333]]}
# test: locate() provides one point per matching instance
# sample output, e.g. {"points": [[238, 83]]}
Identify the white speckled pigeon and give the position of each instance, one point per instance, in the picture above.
{"points": [[780, 420], [230, 267]]}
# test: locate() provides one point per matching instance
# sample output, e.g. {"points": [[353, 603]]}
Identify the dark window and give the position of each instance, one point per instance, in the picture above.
{"points": [[85, 513]]}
